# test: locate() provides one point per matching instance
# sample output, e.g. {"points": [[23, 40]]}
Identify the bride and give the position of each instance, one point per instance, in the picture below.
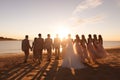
{"points": [[70, 58]]}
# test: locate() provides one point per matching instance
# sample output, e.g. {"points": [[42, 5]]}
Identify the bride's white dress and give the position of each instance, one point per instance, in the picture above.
{"points": [[70, 59]]}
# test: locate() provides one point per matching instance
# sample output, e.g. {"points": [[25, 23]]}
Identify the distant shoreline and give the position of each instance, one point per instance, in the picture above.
{"points": [[6, 39], [10, 40]]}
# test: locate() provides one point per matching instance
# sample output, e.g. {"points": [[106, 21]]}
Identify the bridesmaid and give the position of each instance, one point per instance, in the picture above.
{"points": [[95, 42], [91, 49], [98, 45], [102, 52], [78, 48], [100, 39], [84, 48], [34, 50]]}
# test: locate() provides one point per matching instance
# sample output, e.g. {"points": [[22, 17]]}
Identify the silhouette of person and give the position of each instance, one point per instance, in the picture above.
{"points": [[35, 56], [57, 46], [48, 46], [39, 46], [101, 52], [77, 39], [84, 47], [91, 49], [63, 44], [71, 59], [95, 41], [25, 48], [100, 39], [78, 48], [83, 41]]}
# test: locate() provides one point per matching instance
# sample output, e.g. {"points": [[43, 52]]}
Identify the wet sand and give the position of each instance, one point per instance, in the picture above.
{"points": [[13, 68]]}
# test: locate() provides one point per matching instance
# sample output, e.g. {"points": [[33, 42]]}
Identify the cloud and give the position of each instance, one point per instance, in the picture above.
{"points": [[86, 4], [95, 19], [75, 21]]}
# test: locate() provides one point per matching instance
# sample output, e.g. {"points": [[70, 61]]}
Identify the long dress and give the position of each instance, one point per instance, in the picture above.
{"points": [[91, 49], [35, 50], [84, 49], [78, 50], [70, 59], [101, 52]]}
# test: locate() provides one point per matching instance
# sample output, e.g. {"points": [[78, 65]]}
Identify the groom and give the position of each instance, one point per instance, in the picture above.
{"points": [[40, 44], [25, 48], [48, 46], [57, 46]]}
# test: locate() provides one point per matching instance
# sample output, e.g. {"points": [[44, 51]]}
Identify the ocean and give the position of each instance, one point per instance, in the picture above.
{"points": [[15, 46]]}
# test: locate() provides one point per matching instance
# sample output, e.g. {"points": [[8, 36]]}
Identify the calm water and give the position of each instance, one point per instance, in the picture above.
{"points": [[15, 46]]}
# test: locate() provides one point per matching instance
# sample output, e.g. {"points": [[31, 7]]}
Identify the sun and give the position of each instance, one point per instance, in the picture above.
{"points": [[63, 32]]}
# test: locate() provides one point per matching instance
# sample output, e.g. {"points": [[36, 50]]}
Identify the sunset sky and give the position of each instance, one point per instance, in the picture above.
{"points": [[21, 17]]}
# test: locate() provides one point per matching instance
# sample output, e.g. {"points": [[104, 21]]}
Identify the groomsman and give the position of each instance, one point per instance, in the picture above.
{"points": [[48, 46], [57, 46], [40, 44], [25, 48]]}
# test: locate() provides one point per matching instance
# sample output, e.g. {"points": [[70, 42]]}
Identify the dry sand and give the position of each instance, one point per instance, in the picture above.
{"points": [[13, 68]]}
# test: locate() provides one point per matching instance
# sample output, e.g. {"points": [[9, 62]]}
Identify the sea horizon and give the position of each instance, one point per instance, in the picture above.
{"points": [[15, 46]]}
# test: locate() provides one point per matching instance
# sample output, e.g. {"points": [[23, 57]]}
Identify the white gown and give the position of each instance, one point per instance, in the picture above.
{"points": [[70, 59]]}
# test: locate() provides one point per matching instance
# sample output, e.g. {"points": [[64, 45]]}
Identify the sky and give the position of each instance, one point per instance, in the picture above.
{"points": [[30, 17]]}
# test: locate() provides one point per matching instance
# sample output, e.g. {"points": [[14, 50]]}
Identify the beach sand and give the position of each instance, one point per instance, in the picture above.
{"points": [[13, 68]]}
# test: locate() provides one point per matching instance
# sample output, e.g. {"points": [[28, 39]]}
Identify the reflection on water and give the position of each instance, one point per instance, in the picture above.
{"points": [[10, 46], [111, 44], [15, 46]]}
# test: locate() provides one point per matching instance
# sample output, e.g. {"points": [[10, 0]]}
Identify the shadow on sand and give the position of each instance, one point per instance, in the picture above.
{"points": [[53, 71]]}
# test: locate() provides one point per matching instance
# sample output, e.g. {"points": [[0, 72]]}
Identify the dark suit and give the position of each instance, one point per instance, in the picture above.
{"points": [[57, 47], [39, 47], [48, 46], [25, 48]]}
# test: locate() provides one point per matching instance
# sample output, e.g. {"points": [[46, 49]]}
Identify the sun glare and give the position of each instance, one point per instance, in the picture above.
{"points": [[63, 32]]}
